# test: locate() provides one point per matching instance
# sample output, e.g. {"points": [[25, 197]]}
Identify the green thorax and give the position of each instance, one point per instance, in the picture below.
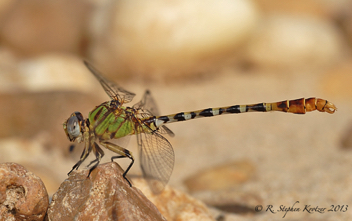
{"points": [[110, 123]]}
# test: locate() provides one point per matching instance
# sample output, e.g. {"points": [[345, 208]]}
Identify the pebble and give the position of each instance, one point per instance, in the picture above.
{"points": [[22, 194], [221, 177]]}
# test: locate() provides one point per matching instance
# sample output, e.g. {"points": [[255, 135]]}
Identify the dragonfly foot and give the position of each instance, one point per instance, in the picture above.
{"points": [[74, 167], [129, 183]]}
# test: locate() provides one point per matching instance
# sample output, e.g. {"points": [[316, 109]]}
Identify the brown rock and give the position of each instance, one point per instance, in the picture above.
{"points": [[32, 27], [105, 195], [51, 165], [221, 177], [22, 194]]}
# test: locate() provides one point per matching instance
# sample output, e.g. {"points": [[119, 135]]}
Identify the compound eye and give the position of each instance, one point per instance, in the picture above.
{"points": [[73, 127]]}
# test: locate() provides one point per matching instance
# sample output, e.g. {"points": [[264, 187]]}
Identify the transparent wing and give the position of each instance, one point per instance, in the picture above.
{"points": [[157, 159], [114, 91], [148, 108], [165, 130], [148, 104]]}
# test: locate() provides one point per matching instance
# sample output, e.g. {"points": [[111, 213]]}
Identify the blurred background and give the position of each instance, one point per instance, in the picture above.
{"points": [[191, 55]]}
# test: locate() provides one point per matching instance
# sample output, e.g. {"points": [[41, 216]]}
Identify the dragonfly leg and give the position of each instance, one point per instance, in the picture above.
{"points": [[99, 153], [123, 153], [84, 155]]}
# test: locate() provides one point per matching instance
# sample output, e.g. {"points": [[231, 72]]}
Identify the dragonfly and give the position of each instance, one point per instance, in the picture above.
{"points": [[113, 120]]}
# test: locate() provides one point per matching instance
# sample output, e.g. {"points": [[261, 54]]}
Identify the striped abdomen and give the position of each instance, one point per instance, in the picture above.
{"points": [[299, 106]]}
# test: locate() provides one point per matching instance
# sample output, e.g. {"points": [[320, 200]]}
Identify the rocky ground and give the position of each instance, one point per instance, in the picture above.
{"points": [[190, 56]]}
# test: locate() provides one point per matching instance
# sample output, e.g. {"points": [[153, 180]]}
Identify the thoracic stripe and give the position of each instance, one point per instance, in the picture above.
{"points": [[97, 114], [112, 135], [113, 129]]}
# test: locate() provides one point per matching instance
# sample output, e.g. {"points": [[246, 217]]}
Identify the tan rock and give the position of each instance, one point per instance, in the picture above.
{"points": [[22, 194], [55, 71], [168, 38], [105, 195], [221, 177], [174, 204], [48, 72], [284, 41]]}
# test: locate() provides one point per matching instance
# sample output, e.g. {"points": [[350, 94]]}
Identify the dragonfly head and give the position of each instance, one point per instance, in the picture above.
{"points": [[73, 126]]}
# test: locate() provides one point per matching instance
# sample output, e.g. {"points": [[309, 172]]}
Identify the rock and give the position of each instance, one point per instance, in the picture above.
{"points": [[287, 42], [174, 204], [33, 27], [55, 72], [221, 177], [48, 72], [50, 165], [105, 195], [168, 38], [22, 194]]}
